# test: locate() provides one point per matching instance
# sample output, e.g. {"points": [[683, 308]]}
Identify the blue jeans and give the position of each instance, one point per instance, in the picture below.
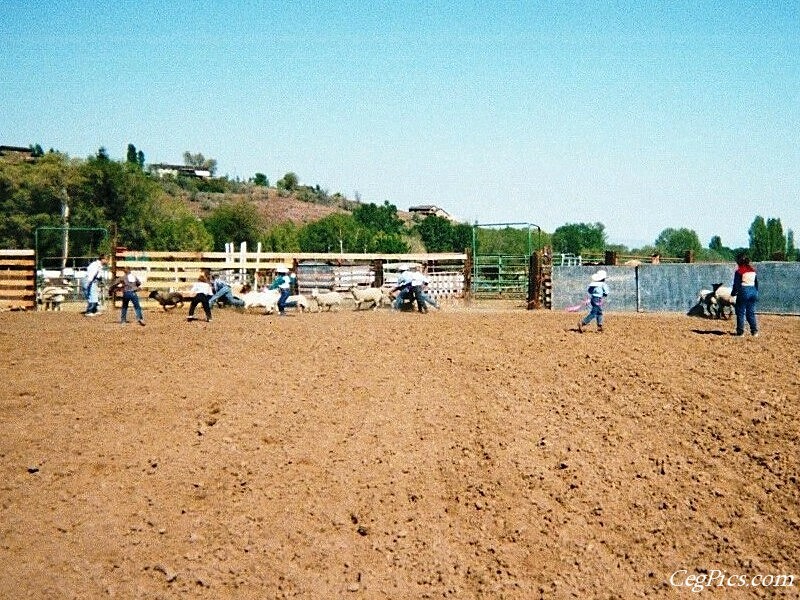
{"points": [[401, 298], [419, 297], [92, 297], [133, 298], [225, 293], [596, 312], [746, 309], [285, 293]]}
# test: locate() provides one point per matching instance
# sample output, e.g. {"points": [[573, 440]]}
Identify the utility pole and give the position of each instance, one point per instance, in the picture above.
{"points": [[65, 223]]}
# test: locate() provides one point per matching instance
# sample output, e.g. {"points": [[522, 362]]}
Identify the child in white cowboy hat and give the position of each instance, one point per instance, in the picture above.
{"points": [[597, 291]]}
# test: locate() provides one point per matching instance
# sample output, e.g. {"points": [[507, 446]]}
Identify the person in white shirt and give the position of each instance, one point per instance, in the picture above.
{"points": [[202, 294], [418, 291], [404, 287], [91, 286]]}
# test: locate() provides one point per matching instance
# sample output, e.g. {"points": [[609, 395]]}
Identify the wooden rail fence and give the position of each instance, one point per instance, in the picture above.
{"points": [[17, 279]]}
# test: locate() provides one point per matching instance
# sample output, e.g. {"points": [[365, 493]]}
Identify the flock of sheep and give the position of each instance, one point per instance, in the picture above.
{"points": [[318, 301]]}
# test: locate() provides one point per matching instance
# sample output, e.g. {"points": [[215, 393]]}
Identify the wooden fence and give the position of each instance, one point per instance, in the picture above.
{"points": [[17, 279], [176, 271]]}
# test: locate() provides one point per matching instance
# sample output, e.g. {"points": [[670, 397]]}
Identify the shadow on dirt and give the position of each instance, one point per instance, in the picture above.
{"points": [[711, 332]]}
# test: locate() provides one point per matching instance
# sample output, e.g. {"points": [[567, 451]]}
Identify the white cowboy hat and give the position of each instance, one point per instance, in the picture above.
{"points": [[600, 275], [281, 269]]}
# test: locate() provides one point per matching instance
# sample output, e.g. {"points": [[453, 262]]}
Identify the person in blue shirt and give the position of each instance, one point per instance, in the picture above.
{"points": [[222, 291], [283, 283], [598, 290]]}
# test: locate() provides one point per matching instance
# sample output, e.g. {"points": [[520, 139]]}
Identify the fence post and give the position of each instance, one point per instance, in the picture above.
{"points": [[535, 280], [468, 266], [377, 266]]}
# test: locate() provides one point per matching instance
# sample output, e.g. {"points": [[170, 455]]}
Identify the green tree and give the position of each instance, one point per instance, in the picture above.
{"points": [[579, 238], [334, 233], [777, 241], [379, 218], [133, 157], [791, 250], [174, 227], [117, 196], [442, 235], [261, 180], [288, 182], [759, 240], [385, 243], [283, 237], [675, 242], [30, 196], [436, 233], [234, 222], [715, 243]]}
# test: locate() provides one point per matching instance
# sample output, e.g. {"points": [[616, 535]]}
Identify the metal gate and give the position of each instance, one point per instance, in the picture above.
{"points": [[503, 275], [62, 255], [500, 277]]}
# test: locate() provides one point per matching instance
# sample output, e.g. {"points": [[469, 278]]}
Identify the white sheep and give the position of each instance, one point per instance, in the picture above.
{"points": [[297, 300], [328, 299], [52, 296], [368, 296], [723, 300], [266, 299], [706, 302]]}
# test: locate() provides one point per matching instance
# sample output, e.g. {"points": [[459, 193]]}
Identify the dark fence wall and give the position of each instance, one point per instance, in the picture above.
{"points": [[674, 288]]}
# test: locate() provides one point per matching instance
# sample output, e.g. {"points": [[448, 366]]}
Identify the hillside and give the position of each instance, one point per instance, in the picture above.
{"points": [[274, 206]]}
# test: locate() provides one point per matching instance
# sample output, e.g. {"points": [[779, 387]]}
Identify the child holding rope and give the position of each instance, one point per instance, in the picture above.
{"points": [[597, 291]]}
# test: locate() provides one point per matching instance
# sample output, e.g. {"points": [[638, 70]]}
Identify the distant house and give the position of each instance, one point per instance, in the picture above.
{"points": [[162, 169], [16, 154], [428, 210]]}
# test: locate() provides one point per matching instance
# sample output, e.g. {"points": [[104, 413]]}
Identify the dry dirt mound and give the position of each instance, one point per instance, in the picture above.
{"points": [[463, 454]]}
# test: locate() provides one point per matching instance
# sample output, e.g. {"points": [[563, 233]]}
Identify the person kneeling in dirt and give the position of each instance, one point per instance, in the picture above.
{"points": [[223, 293], [404, 287]]}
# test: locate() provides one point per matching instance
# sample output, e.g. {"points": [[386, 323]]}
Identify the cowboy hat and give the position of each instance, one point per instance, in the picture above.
{"points": [[599, 276]]}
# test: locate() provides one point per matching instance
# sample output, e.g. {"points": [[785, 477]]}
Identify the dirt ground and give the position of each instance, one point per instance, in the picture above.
{"points": [[462, 454]]}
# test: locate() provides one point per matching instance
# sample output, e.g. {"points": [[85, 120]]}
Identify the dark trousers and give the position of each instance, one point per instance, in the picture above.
{"points": [[419, 298], [203, 300]]}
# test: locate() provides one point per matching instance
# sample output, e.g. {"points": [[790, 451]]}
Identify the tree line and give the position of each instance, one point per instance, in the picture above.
{"points": [[143, 211]]}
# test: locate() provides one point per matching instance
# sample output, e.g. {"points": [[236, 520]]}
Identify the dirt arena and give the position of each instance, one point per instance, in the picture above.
{"points": [[464, 454]]}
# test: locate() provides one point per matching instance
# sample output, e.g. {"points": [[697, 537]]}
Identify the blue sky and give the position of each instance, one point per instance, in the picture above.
{"points": [[639, 115]]}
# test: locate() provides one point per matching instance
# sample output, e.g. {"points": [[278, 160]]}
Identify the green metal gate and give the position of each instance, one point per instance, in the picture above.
{"points": [[500, 274]]}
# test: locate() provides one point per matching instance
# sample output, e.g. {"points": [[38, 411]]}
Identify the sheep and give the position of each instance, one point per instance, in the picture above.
{"points": [[368, 296], [267, 299], [329, 299], [298, 300], [723, 300], [713, 303], [52, 296], [166, 299], [706, 304]]}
